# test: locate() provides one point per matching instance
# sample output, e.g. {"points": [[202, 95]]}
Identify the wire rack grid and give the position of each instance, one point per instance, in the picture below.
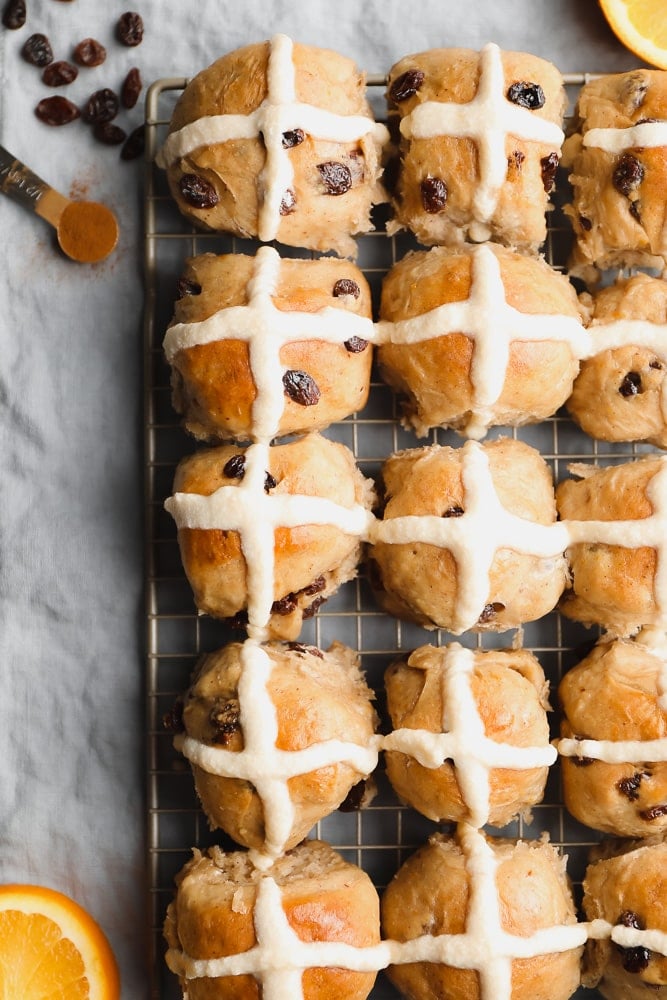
{"points": [[382, 835]]}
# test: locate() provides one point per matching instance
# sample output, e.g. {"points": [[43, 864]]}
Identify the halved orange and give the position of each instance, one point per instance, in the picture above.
{"points": [[50, 947], [641, 25]]}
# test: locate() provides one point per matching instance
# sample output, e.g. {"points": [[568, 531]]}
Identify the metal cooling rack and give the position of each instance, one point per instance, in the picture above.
{"points": [[380, 837]]}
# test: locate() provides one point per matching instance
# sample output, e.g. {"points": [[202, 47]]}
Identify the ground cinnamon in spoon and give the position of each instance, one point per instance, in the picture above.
{"points": [[87, 231]]}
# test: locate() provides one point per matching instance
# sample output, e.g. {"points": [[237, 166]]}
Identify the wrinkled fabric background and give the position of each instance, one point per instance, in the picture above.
{"points": [[71, 615]]}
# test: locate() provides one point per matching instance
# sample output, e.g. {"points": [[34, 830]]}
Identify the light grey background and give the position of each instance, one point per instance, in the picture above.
{"points": [[71, 669]]}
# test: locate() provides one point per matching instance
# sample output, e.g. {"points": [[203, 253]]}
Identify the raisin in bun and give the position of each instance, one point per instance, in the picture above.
{"points": [[480, 144], [263, 346], [277, 141], [457, 714], [620, 393], [465, 891], [617, 155], [614, 725], [266, 534], [617, 538], [230, 926], [473, 337], [626, 886], [256, 721], [468, 538]]}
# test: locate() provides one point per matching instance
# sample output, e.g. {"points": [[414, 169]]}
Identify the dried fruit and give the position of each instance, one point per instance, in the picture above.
{"points": [[131, 88], [628, 174], [225, 720], [454, 511], [109, 133], [631, 384], [187, 287], [57, 111], [14, 14], [585, 223], [549, 166], [355, 345], [292, 138], [234, 468], [655, 812], [285, 606], [526, 95], [59, 74], [37, 50], [335, 176], [89, 53], [301, 387], [630, 786], [433, 194], [634, 959], [102, 106], [197, 191], [288, 203], [346, 286], [134, 144], [130, 29], [406, 85], [270, 482], [490, 611]]}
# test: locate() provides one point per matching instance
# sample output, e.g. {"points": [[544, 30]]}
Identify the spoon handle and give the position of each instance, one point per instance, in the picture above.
{"points": [[19, 182]]}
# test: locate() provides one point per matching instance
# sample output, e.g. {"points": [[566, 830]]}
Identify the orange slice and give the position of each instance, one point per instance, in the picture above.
{"points": [[52, 948], [642, 27]]}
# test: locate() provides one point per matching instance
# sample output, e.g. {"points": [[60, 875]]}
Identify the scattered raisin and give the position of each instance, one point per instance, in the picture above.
{"points": [[490, 611], [186, 286], [585, 223], [335, 176], [526, 95], [130, 29], [197, 191], [433, 194], [298, 647], [102, 106], [316, 587], [294, 137], [346, 286], [634, 959], [109, 133], [655, 812], [631, 384], [57, 111], [288, 203], [134, 144], [516, 160], [14, 14], [655, 364], [354, 798], [285, 606], [454, 511], [173, 719], [634, 210], [628, 174], [630, 786], [37, 50], [270, 482], [301, 387], [406, 85], [131, 88], [313, 608], [224, 718], [549, 166], [89, 52], [234, 468], [59, 74], [355, 345]]}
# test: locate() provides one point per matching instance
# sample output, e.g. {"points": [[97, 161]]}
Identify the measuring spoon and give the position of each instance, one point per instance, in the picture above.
{"points": [[87, 231]]}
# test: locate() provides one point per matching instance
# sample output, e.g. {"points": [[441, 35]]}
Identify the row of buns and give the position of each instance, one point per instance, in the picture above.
{"points": [[277, 142]]}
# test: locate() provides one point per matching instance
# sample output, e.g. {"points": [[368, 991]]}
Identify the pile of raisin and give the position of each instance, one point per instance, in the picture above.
{"points": [[102, 107]]}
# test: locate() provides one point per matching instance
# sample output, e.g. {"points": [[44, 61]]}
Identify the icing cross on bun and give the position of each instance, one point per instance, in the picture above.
{"points": [[277, 736], [483, 919], [616, 521], [478, 336], [468, 537], [480, 143], [270, 530], [277, 141], [613, 744], [265, 346], [471, 738]]}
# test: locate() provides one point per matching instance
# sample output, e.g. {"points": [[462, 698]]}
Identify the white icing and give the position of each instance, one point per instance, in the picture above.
{"points": [[615, 751], [475, 537], [279, 112], [261, 762], [616, 140], [488, 119], [266, 330], [492, 324], [636, 333], [255, 514], [464, 740], [630, 937], [648, 531]]}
